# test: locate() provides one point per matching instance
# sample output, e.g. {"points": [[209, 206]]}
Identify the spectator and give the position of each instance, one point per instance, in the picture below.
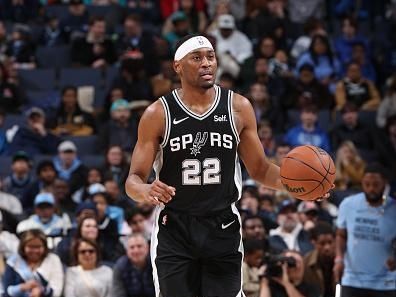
{"points": [[44, 217], [365, 229], [95, 49], [197, 18], [387, 107], [136, 39], [300, 11], [46, 175], [252, 267], [9, 242], [261, 102], [181, 27], [357, 90], [132, 274], [360, 56], [313, 26], [88, 278], [87, 228], [21, 178], [70, 120], [116, 166], [308, 214], [76, 21], [290, 282], [349, 167], [308, 131], [386, 148], [306, 90], [65, 205], [350, 128], [33, 271], [34, 139], [349, 37], [20, 48], [115, 93], [267, 138], [231, 44], [52, 34], [132, 80], [121, 130], [110, 218], [69, 167], [320, 56], [290, 233], [11, 97], [136, 223], [162, 83], [94, 176], [319, 262], [282, 149], [20, 11], [219, 7]]}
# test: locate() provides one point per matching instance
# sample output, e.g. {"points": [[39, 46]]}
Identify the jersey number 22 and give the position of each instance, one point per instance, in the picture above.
{"points": [[194, 173]]}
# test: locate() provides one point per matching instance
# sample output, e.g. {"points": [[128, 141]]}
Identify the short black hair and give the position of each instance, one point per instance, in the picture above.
{"points": [[252, 245], [67, 88], [377, 168], [251, 217], [43, 164], [321, 228]]}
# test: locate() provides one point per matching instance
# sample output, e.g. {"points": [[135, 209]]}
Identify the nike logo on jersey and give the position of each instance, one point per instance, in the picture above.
{"points": [[227, 225], [175, 122]]}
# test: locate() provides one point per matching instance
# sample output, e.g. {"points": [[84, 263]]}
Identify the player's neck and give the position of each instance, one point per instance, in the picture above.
{"points": [[193, 95]]}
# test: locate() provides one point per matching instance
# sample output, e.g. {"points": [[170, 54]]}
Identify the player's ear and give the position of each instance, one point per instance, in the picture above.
{"points": [[177, 66]]}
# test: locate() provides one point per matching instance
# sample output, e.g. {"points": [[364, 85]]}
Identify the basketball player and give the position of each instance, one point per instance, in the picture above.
{"points": [[194, 137]]}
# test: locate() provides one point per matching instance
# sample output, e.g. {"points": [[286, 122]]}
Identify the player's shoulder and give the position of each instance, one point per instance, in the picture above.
{"points": [[352, 200], [240, 102], [154, 111]]}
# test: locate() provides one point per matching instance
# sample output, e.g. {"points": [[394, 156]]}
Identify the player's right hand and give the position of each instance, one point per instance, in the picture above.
{"points": [[159, 192], [338, 270]]}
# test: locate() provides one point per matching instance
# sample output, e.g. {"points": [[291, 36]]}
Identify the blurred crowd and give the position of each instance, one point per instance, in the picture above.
{"points": [[317, 72]]}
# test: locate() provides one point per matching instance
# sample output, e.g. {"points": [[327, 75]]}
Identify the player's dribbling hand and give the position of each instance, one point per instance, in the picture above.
{"points": [[160, 192], [327, 195]]}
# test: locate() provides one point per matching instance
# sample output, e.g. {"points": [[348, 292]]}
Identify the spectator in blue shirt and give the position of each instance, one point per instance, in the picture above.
{"points": [[308, 131], [326, 65]]}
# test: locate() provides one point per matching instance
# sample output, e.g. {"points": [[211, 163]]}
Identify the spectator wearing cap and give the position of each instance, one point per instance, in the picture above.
{"points": [[180, 28], [45, 177], [44, 217], [356, 89], [290, 235], [110, 218], [351, 128], [231, 44], [306, 90], [121, 129], [308, 132], [69, 167], [34, 139], [20, 178], [95, 49], [132, 274]]}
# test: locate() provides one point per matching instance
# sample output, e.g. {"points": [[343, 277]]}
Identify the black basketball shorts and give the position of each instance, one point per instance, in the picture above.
{"points": [[197, 256]]}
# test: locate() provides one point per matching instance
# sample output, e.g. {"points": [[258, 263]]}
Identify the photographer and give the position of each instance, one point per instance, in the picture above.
{"points": [[283, 277]]}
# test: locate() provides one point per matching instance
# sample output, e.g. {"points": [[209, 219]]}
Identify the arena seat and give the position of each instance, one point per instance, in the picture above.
{"points": [[86, 145], [81, 77], [97, 161], [37, 79], [5, 166], [52, 57]]}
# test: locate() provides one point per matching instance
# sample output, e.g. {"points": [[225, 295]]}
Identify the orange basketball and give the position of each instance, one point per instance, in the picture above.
{"points": [[307, 172]]}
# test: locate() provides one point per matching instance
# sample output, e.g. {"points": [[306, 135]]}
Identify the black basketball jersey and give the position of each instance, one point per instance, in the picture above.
{"points": [[198, 155]]}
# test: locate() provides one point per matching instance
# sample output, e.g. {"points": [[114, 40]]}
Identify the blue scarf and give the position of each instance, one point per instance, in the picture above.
{"points": [[66, 173]]}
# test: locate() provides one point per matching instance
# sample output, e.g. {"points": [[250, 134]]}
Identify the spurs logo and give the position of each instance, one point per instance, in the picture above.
{"points": [[199, 142]]}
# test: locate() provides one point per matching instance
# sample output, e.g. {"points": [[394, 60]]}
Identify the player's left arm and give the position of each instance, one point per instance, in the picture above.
{"points": [[250, 149]]}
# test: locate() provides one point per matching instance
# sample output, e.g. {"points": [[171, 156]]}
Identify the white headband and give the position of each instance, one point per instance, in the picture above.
{"points": [[190, 45]]}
